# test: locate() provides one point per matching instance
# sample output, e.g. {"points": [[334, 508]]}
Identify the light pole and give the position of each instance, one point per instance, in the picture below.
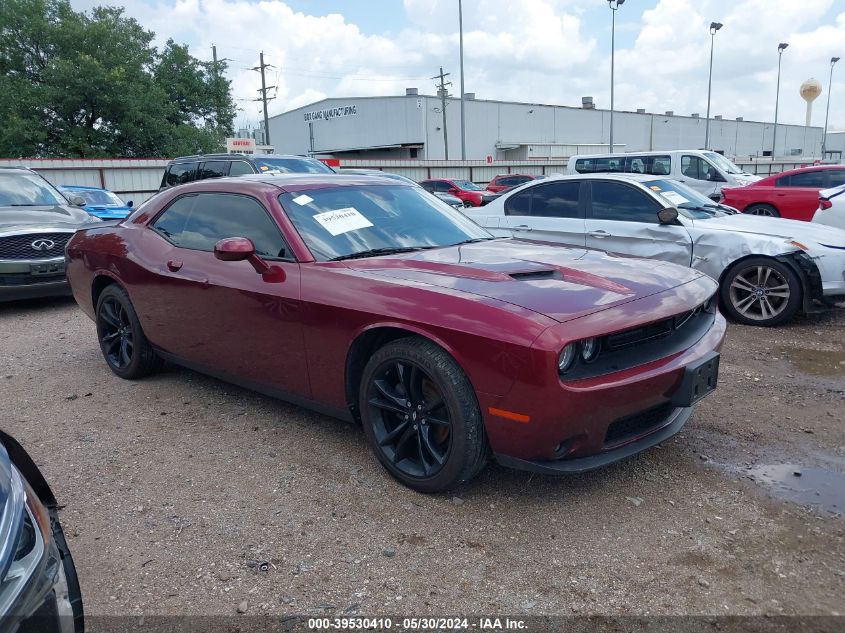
{"points": [[781, 47], [614, 6], [463, 128], [714, 26], [833, 61]]}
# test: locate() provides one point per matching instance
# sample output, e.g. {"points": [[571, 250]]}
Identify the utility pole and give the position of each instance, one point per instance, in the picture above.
{"points": [[264, 88], [441, 90], [463, 118]]}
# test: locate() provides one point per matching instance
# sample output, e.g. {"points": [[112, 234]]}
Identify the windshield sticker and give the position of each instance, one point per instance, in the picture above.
{"points": [[674, 198], [303, 200], [264, 168], [342, 221], [655, 188]]}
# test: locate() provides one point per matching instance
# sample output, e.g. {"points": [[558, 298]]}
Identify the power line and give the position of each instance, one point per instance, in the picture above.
{"points": [[264, 99]]}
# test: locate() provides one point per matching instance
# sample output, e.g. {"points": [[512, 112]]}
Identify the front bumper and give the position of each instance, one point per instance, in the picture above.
{"points": [[676, 420], [29, 279]]}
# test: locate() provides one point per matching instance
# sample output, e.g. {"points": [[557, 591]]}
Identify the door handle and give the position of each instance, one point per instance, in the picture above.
{"points": [[173, 265], [522, 227], [598, 233]]}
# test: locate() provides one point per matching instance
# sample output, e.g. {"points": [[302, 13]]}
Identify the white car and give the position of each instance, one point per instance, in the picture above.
{"points": [[769, 269], [831, 209]]}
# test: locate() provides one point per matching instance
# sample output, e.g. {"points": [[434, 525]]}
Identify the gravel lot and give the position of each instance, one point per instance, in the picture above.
{"points": [[185, 495]]}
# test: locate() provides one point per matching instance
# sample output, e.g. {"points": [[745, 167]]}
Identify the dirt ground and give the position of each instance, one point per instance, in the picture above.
{"points": [[184, 495]]}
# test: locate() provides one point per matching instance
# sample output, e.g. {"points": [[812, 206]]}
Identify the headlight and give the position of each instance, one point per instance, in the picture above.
{"points": [[589, 349], [33, 538], [567, 358]]}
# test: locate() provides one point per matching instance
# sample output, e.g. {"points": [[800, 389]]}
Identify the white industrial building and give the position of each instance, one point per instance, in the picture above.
{"points": [[411, 126]]}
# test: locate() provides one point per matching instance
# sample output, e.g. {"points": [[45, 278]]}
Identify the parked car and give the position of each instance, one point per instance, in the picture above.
{"points": [[768, 269], [792, 194], [471, 194], [36, 222], [706, 172], [452, 201], [204, 166], [505, 181], [831, 209], [101, 203], [366, 299], [39, 588]]}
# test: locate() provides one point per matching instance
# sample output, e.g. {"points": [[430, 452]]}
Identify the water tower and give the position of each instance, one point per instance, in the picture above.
{"points": [[810, 91]]}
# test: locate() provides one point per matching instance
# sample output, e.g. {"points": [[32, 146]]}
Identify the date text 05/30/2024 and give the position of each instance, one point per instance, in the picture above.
{"points": [[417, 624]]}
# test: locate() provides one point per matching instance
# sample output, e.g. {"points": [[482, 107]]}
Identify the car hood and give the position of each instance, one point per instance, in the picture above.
{"points": [[53, 216], [745, 179], [560, 283], [775, 227]]}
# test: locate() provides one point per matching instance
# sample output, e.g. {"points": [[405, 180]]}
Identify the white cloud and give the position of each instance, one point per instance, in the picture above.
{"points": [[552, 51]]}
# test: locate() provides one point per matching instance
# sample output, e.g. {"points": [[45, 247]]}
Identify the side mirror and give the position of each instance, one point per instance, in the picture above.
{"points": [[234, 249], [669, 215], [238, 249], [130, 204], [77, 201]]}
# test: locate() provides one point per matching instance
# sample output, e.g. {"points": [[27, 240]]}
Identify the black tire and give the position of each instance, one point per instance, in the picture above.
{"points": [[765, 210], [399, 408], [468, 204], [125, 348], [760, 291]]}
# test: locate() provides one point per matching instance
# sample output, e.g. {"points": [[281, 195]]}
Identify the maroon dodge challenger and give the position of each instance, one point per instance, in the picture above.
{"points": [[373, 301]]}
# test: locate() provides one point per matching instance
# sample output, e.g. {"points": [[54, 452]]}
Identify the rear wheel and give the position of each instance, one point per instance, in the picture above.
{"points": [[468, 204], [127, 351], [421, 416], [766, 210], [760, 291]]}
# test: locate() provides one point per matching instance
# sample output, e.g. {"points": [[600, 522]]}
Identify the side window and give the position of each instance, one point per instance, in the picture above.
{"points": [[520, 203], [815, 179], [584, 165], [427, 185], [180, 173], [442, 186], [240, 168], [171, 222], [213, 169], [520, 180], [660, 165], [699, 169], [556, 200], [622, 202], [836, 177], [635, 164], [609, 164], [199, 221]]}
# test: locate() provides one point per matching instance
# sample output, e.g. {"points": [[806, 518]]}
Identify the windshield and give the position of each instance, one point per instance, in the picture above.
{"points": [[467, 185], [95, 197], [293, 165], [23, 189], [723, 163], [342, 222], [689, 202]]}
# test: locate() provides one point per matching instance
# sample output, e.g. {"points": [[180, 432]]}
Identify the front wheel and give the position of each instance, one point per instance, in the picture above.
{"points": [[468, 204], [126, 350], [760, 291], [421, 416]]}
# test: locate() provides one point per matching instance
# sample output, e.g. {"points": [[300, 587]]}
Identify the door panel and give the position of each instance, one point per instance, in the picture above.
{"points": [[547, 212]]}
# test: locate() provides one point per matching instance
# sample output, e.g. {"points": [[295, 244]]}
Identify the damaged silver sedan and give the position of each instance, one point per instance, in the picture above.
{"points": [[769, 269]]}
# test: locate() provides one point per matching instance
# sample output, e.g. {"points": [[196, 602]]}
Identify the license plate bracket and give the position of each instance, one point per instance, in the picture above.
{"points": [[699, 380], [47, 268]]}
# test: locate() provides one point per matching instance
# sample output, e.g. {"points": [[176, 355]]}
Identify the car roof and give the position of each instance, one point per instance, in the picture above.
{"points": [[229, 156], [290, 182], [799, 170], [18, 168], [82, 187]]}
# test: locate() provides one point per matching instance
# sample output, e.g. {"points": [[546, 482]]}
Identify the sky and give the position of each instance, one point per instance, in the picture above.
{"points": [[537, 51]]}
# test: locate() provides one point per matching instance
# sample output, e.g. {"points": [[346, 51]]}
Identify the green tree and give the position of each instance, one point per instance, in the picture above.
{"points": [[92, 85]]}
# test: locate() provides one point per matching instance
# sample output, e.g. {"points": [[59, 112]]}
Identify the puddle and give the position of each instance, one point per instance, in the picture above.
{"points": [[814, 362], [815, 486]]}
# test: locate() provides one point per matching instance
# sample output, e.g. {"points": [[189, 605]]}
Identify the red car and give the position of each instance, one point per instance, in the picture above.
{"points": [[367, 299], [791, 194], [471, 194], [506, 181]]}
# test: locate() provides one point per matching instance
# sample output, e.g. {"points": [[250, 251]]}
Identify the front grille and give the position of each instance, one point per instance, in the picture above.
{"points": [[637, 424], [47, 245], [27, 280]]}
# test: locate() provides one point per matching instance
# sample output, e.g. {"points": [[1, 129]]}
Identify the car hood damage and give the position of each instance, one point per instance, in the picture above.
{"points": [[775, 227], [560, 283]]}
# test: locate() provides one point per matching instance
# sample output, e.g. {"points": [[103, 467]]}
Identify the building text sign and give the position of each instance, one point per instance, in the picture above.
{"points": [[330, 113]]}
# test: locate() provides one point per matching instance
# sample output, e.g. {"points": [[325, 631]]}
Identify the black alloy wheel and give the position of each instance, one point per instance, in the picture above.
{"points": [[421, 416], [122, 341]]}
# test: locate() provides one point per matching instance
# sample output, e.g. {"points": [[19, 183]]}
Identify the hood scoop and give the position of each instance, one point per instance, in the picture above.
{"points": [[537, 275]]}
